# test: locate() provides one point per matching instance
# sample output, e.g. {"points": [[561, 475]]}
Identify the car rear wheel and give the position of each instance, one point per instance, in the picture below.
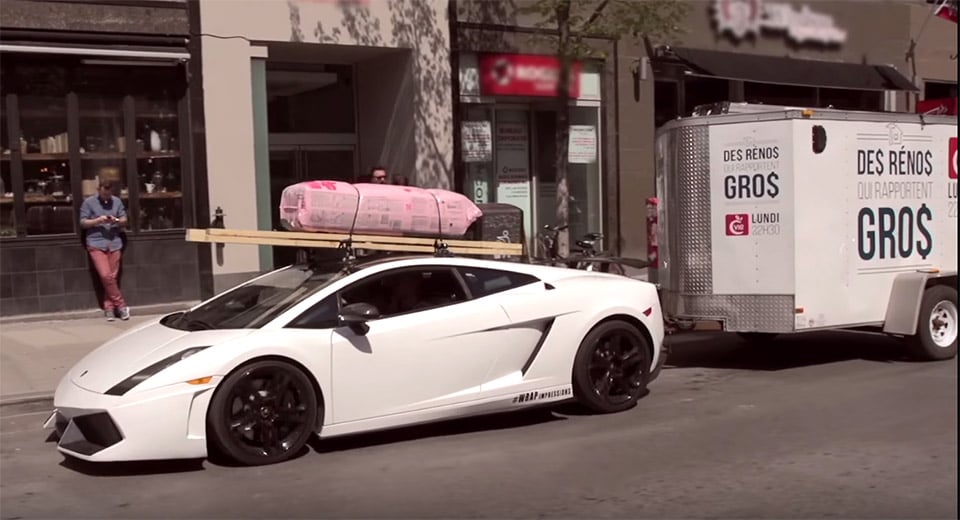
{"points": [[612, 368], [263, 413]]}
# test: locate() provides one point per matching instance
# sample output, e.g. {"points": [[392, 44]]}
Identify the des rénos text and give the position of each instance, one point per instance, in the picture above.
{"points": [[894, 162]]}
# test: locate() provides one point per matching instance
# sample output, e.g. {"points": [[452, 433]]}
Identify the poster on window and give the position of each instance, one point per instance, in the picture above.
{"points": [[477, 140], [477, 175], [582, 145], [513, 166]]}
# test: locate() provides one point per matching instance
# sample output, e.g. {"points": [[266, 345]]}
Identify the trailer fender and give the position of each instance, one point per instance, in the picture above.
{"points": [[903, 308]]}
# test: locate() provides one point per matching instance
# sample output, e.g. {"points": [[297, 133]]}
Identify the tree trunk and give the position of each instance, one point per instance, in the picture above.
{"points": [[563, 125]]}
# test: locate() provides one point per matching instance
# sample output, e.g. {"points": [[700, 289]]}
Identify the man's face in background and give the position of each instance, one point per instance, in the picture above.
{"points": [[379, 176]]}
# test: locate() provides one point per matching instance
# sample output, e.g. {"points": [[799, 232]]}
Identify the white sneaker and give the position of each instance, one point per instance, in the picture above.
{"points": [[125, 313], [109, 314]]}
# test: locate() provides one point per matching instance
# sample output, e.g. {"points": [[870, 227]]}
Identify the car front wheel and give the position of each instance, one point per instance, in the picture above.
{"points": [[612, 368], [262, 413]]}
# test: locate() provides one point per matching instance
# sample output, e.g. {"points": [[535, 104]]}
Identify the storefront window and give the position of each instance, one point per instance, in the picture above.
{"points": [[104, 118], [159, 163], [939, 90], [703, 91], [665, 97], [512, 150], [7, 216], [583, 173], [477, 136], [46, 165], [102, 144], [545, 166], [583, 170], [846, 99], [784, 95], [509, 157]]}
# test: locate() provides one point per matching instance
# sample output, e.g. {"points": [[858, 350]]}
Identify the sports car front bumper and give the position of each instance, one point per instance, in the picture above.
{"points": [[164, 423]]}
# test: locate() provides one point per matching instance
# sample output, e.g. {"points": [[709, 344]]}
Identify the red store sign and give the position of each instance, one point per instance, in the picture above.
{"points": [[945, 106], [524, 75]]}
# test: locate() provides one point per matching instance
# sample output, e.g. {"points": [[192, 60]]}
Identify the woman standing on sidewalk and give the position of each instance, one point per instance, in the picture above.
{"points": [[103, 216]]}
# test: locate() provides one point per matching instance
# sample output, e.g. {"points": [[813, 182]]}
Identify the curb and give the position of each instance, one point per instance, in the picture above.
{"points": [[160, 308], [26, 403]]}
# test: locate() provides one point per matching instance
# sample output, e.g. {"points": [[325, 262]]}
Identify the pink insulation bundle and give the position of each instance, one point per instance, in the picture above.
{"points": [[377, 209]]}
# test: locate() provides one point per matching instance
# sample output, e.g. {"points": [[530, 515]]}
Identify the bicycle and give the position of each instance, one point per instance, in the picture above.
{"points": [[587, 258]]}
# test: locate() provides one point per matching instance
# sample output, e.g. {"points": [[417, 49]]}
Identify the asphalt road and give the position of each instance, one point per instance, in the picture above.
{"points": [[824, 426]]}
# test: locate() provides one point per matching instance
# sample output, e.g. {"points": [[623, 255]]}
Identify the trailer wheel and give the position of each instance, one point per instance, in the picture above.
{"points": [[936, 337]]}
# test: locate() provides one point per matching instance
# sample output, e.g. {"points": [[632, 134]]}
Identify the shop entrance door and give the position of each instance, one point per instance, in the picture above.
{"points": [[585, 203], [290, 164]]}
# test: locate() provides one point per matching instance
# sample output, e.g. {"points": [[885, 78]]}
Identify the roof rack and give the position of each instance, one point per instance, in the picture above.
{"points": [[350, 244]]}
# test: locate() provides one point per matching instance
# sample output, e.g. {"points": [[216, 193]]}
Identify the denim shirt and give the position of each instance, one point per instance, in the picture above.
{"points": [[105, 237]]}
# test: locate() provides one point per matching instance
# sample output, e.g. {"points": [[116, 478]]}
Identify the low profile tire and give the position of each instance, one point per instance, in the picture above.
{"points": [[263, 413], [612, 368], [936, 337]]}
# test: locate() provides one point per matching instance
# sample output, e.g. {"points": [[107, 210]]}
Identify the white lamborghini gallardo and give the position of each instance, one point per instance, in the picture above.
{"points": [[256, 370]]}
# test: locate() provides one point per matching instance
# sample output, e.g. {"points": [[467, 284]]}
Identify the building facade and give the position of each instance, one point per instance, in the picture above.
{"points": [[94, 90], [205, 110], [819, 54], [318, 89]]}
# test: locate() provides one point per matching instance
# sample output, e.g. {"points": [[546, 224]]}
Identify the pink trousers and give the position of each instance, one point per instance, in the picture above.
{"points": [[107, 264]]}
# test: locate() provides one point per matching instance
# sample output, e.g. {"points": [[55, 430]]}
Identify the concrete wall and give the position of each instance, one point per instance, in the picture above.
{"points": [[637, 177], [228, 110], [421, 26], [405, 97]]}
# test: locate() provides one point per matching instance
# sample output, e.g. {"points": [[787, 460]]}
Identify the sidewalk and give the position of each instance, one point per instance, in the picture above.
{"points": [[35, 355]]}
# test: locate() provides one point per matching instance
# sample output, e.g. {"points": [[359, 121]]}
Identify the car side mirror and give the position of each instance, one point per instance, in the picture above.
{"points": [[356, 316]]}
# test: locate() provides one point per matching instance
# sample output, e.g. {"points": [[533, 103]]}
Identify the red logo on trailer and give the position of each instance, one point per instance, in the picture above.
{"points": [[952, 166], [738, 225]]}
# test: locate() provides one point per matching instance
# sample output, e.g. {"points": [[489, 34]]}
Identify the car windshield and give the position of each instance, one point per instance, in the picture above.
{"points": [[255, 303]]}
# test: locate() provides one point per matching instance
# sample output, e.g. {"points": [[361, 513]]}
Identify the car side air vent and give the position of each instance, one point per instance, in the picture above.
{"points": [[548, 287]]}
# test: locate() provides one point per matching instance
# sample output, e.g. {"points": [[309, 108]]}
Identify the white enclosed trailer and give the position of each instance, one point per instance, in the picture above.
{"points": [[782, 220]]}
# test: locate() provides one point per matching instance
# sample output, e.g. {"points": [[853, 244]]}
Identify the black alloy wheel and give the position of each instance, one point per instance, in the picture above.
{"points": [[263, 413], [612, 368]]}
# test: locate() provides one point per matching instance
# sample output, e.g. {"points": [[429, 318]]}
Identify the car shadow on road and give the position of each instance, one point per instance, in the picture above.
{"points": [[476, 424], [132, 468], [710, 349]]}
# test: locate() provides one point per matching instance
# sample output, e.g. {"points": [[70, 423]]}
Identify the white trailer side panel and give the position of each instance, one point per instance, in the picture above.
{"points": [[752, 208], [878, 201]]}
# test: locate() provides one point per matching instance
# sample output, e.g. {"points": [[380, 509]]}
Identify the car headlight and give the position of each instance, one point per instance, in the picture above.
{"points": [[141, 376]]}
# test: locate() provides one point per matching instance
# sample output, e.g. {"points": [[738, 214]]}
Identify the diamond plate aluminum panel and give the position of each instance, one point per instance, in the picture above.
{"points": [[739, 312], [692, 249]]}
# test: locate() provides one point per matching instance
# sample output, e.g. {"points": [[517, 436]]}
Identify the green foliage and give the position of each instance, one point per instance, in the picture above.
{"points": [[634, 19]]}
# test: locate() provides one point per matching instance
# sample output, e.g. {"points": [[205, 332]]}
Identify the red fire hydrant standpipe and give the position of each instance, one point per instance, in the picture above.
{"points": [[652, 248]]}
